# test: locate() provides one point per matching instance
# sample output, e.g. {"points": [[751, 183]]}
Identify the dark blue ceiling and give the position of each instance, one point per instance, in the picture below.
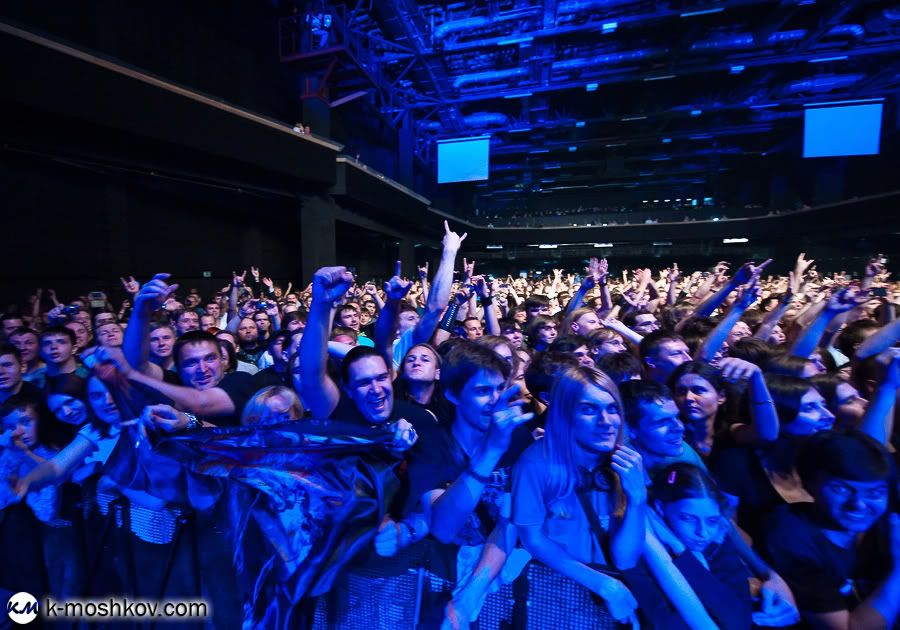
{"points": [[603, 98]]}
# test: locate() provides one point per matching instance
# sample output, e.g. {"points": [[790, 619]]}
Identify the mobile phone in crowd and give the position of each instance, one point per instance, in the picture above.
{"points": [[98, 300]]}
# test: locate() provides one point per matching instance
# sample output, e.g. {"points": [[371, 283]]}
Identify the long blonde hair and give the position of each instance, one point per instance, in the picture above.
{"points": [[256, 409], [559, 437]]}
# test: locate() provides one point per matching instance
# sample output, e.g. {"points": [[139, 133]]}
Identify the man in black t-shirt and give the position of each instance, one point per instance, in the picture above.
{"points": [[827, 550], [461, 476], [211, 397]]}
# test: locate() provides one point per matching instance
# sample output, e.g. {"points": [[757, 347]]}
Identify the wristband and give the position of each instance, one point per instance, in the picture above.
{"points": [[449, 318], [480, 478], [486, 300], [193, 423]]}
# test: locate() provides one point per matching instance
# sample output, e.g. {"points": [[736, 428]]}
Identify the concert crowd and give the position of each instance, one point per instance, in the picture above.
{"points": [[701, 449]]}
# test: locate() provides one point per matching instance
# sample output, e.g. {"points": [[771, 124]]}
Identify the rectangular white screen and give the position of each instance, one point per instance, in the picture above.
{"points": [[842, 130], [463, 159]]}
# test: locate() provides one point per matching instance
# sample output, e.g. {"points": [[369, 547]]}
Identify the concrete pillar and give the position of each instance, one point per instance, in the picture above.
{"points": [[317, 236]]}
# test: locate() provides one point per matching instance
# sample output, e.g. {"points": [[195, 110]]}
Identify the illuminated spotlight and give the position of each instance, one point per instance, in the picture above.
{"points": [[729, 241], [715, 218], [573, 149], [667, 200], [579, 123], [736, 69], [661, 243], [591, 87], [661, 77], [696, 112], [494, 247], [656, 201], [603, 244], [644, 201], [547, 246], [518, 95], [666, 140], [610, 27], [628, 118]]}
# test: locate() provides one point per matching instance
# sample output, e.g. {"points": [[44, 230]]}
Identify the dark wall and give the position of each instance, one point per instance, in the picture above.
{"points": [[226, 48], [77, 230]]}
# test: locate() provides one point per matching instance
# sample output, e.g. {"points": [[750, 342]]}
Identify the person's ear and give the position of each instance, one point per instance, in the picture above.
{"points": [[437, 374], [451, 396], [722, 398]]}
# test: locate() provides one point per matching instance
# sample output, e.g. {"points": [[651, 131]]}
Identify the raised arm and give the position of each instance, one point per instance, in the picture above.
{"points": [[717, 336], [317, 389], [439, 295], [487, 303], [448, 510], [841, 302], [136, 342], [878, 421], [395, 290], [764, 426]]}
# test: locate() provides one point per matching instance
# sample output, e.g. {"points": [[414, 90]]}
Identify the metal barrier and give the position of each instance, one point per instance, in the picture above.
{"points": [[395, 593]]}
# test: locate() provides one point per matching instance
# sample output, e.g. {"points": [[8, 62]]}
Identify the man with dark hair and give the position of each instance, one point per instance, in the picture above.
{"points": [[535, 305], [620, 367], [209, 396], [348, 316], [641, 321], [366, 393], [826, 549], [279, 373], [11, 372], [8, 323], [461, 474], [57, 345], [473, 328], [185, 320], [26, 340], [661, 352], [654, 427]]}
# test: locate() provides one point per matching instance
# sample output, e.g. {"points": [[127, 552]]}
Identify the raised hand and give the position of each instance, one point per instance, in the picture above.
{"points": [[267, 282], [747, 296], [131, 285], [396, 288], [674, 273], [627, 463], [846, 300], [507, 414], [114, 357], [468, 270], [733, 369], [721, 268], [750, 272], [423, 272], [802, 264], [481, 286], [254, 271], [331, 283], [238, 280], [874, 267], [155, 293], [370, 288], [452, 240]]}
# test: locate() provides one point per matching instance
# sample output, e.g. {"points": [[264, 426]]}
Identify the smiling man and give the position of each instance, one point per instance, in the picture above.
{"points": [[825, 549], [654, 428]]}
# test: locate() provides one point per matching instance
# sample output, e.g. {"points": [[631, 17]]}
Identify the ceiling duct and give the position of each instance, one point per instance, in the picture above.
{"points": [[724, 42], [489, 76], [611, 58], [478, 119], [580, 6], [454, 26], [855, 31], [825, 83]]}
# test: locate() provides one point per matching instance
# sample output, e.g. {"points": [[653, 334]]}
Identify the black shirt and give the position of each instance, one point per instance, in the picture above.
{"points": [[438, 460], [269, 377], [423, 422], [824, 577], [739, 473], [240, 388]]}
